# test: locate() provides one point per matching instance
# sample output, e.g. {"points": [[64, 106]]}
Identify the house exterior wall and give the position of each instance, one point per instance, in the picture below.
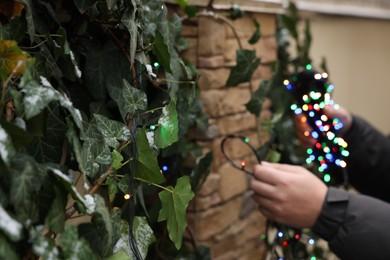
{"points": [[223, 215]]}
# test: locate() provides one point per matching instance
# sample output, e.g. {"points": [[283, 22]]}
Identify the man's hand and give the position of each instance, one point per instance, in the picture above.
{"points": [[288, 194], [304, 130]]}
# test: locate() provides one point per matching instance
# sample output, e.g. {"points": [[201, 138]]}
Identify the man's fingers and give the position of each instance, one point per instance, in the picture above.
{"points": [[279, 167], [265, 204], [263, 189], [266, 174]]}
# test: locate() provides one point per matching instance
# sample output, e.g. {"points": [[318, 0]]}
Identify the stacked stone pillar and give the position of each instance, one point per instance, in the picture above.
{"points": [[223, 215]]}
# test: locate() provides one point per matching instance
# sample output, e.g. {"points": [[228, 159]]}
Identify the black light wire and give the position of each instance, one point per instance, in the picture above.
{"points": [[135, 124], [243, 139], [132, 188], [271, 246]]}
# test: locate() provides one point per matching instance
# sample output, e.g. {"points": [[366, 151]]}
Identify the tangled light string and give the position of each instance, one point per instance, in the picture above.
{"points": [[312, 93]]}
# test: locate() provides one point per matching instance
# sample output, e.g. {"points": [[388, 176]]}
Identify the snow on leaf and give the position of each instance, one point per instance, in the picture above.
{"points": [[87, 201], [168, 126], [143, 235], [37, 97], [111, 130], [12, 228], [6, 148], [73, 246], [173, 209]]}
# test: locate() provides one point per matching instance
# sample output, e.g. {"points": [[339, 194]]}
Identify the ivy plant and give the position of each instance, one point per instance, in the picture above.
{"points": [[95, 106]]}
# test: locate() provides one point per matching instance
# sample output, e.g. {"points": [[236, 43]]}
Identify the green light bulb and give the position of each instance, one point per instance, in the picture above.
{"points": [[152, 127], [326, 178], [246, 140], [309, 67]]}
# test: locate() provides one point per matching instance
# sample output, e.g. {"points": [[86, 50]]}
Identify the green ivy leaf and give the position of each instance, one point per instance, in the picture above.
{"points": [[55, 218], [14, 30], [117, 160], [111, 130], [84, 5], [167, 131], [247, 63], [174, 206], [73, 246], [273, 156], [102, 64], [133, 99], [48, 148], [36, 97], [43, 246], [183, 3], [256, 102], [144, 237], [201, 170], [160, 49], [87, 201], [148, 168], [19, 136], [30, 17], [7, 251], [112, 184], [256, 35], [26, 179], [128, 19], [99, 233]]}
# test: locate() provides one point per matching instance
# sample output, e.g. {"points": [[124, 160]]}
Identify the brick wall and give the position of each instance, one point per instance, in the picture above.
{"points": [[223, 216]]}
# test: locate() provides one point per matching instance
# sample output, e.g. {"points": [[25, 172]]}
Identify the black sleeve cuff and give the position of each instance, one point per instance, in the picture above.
{"points": [[332, 213]]}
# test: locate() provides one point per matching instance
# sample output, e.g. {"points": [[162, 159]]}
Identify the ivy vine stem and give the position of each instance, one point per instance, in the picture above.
{"points": [[154, 184], [226, 21], [152, 110]]}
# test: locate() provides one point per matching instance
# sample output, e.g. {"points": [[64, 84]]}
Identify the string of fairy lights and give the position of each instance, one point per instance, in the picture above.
{"points": [[312, 93]]}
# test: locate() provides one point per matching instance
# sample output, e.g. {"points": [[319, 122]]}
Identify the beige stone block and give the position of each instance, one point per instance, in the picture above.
{"points": [[203, 203], [270, 48], [255, 83], [244, 28], [211, 35], [262, 72], [230, 50], [224, 102], [211, 222], [233, 182], [241, 237], [236, 123], [191, 53], [213, 79], [210, 62], [210, 185], [266, 49], [267, 23], [189, 31]]}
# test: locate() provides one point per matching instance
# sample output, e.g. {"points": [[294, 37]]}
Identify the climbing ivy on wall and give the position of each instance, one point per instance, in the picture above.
{"points": [[95, 106]]}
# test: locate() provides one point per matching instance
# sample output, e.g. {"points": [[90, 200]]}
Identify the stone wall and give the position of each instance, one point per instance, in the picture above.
{"points": [[223, 216]]}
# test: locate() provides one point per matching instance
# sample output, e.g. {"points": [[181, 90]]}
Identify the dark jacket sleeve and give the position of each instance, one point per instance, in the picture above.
{"points": [[368, 166], [358, 226], [355, 226]]}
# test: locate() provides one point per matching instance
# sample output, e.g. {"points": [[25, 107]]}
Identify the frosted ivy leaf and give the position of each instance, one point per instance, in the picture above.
{"points": [[111, 130], [133, 98]]}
